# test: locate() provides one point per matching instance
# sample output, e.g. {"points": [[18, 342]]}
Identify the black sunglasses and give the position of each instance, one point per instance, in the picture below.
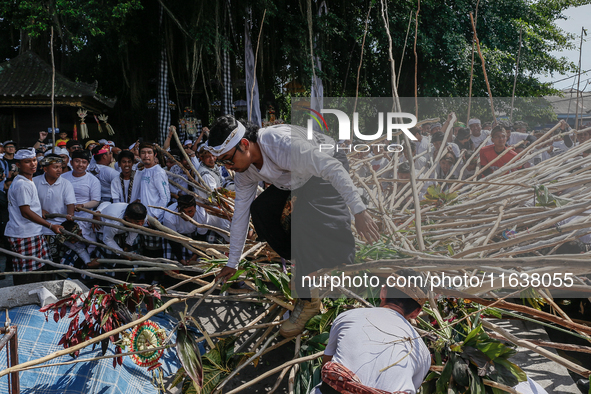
{"points": [[227, 162]]}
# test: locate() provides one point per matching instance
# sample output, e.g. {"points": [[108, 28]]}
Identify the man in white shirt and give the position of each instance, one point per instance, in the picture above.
{"points": [[322, 190], [175, 169], [154, 191], [125, 187], [134, 213], [378, 346], [188, 206], [437, 140], [56, 196], [423, 141], [478, 135], [24, 229], [87, 189], [118, 239], [209, 171], [513, 137], [103, 172]]}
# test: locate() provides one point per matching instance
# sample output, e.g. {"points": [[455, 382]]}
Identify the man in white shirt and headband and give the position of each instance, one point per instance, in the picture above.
{"points": [[24, 229], [315, 184]]}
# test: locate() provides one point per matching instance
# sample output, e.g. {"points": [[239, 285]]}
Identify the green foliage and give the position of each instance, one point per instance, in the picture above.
{"points": [[75, 21], [546, 199], [190, 356], [117, 43], [308, 374], [214, 366], [470, 354], [102, 312], [382, 249], [261, 275], [438, 197], [321, 323]]}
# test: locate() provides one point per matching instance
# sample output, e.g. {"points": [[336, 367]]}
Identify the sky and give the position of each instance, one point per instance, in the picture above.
{"points": [[577, 17]]}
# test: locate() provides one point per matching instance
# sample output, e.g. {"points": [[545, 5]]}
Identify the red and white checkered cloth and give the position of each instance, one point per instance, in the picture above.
{"points": [[33, 246], [343, 380]]}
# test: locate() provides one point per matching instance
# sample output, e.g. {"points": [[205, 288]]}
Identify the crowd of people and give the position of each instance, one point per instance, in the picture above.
{"points": [[106, 184], [504, 139], [82, 179]]}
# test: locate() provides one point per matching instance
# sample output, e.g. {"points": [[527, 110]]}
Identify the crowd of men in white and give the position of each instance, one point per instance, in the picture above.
{"points": [[70, 179]]}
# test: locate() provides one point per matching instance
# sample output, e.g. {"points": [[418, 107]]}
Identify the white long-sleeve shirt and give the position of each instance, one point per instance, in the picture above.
{"points": [[109, 233], [185, 227], [120, 195], [289, 161], [154, 190]]}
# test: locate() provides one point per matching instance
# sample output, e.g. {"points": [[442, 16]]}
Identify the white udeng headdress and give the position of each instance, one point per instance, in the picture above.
{"points": [[25, 154], [233, 139]]}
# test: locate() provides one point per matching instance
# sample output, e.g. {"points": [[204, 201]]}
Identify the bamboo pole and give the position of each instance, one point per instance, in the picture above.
{"points": [[275, 370], [537, 349], [490, 96]]}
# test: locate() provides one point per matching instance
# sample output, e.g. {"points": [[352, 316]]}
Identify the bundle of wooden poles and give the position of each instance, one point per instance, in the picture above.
{"points": [[495, 225]]}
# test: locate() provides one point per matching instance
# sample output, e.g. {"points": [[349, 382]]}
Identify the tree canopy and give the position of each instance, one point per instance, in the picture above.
{"points": [[118, 42]]}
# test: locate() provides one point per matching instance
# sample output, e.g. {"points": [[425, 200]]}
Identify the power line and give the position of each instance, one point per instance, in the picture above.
{"points": [[572, 76]]}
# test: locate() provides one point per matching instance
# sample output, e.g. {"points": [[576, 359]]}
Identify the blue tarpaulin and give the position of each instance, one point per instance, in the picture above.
{"points": [[38, 338]]}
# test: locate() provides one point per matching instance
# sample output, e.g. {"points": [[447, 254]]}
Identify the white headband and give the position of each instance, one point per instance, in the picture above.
{"points": [[25, 154], [233, 139]]}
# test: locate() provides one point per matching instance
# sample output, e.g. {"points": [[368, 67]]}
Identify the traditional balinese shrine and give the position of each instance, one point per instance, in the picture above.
{"points": [[25, 100]]}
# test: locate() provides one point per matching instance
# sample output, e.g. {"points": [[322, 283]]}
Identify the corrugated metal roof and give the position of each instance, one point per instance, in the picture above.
{"points": [[28, 77], [568, 103]]}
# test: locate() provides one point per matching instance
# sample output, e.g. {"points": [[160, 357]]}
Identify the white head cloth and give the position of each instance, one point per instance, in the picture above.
{"points": [[25, 154], [233, 139], [473, 121]]}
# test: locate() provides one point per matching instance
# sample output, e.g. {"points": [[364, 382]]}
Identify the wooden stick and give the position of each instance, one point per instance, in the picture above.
{"points": [[490, 96], [500, 386], [63, 266], [275, 370], [176, 138], [152, 349], [244, 364], [287, 368], [555, 345], [519, 308], [541, 351]]}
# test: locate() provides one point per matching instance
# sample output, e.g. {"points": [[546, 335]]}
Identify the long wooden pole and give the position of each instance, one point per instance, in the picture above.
{"points": [[275, 370], [537, 349], [490, 96], [397, 106], [516, 73], [472, 69], [53, 93], [579, 79], [417, 59]]}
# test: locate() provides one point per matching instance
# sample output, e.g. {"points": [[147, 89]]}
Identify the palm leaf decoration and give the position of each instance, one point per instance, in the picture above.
{"points": [[190, 356]]}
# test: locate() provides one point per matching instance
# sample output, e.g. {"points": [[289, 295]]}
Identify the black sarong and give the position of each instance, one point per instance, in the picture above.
{"points": [[320, 234]]}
